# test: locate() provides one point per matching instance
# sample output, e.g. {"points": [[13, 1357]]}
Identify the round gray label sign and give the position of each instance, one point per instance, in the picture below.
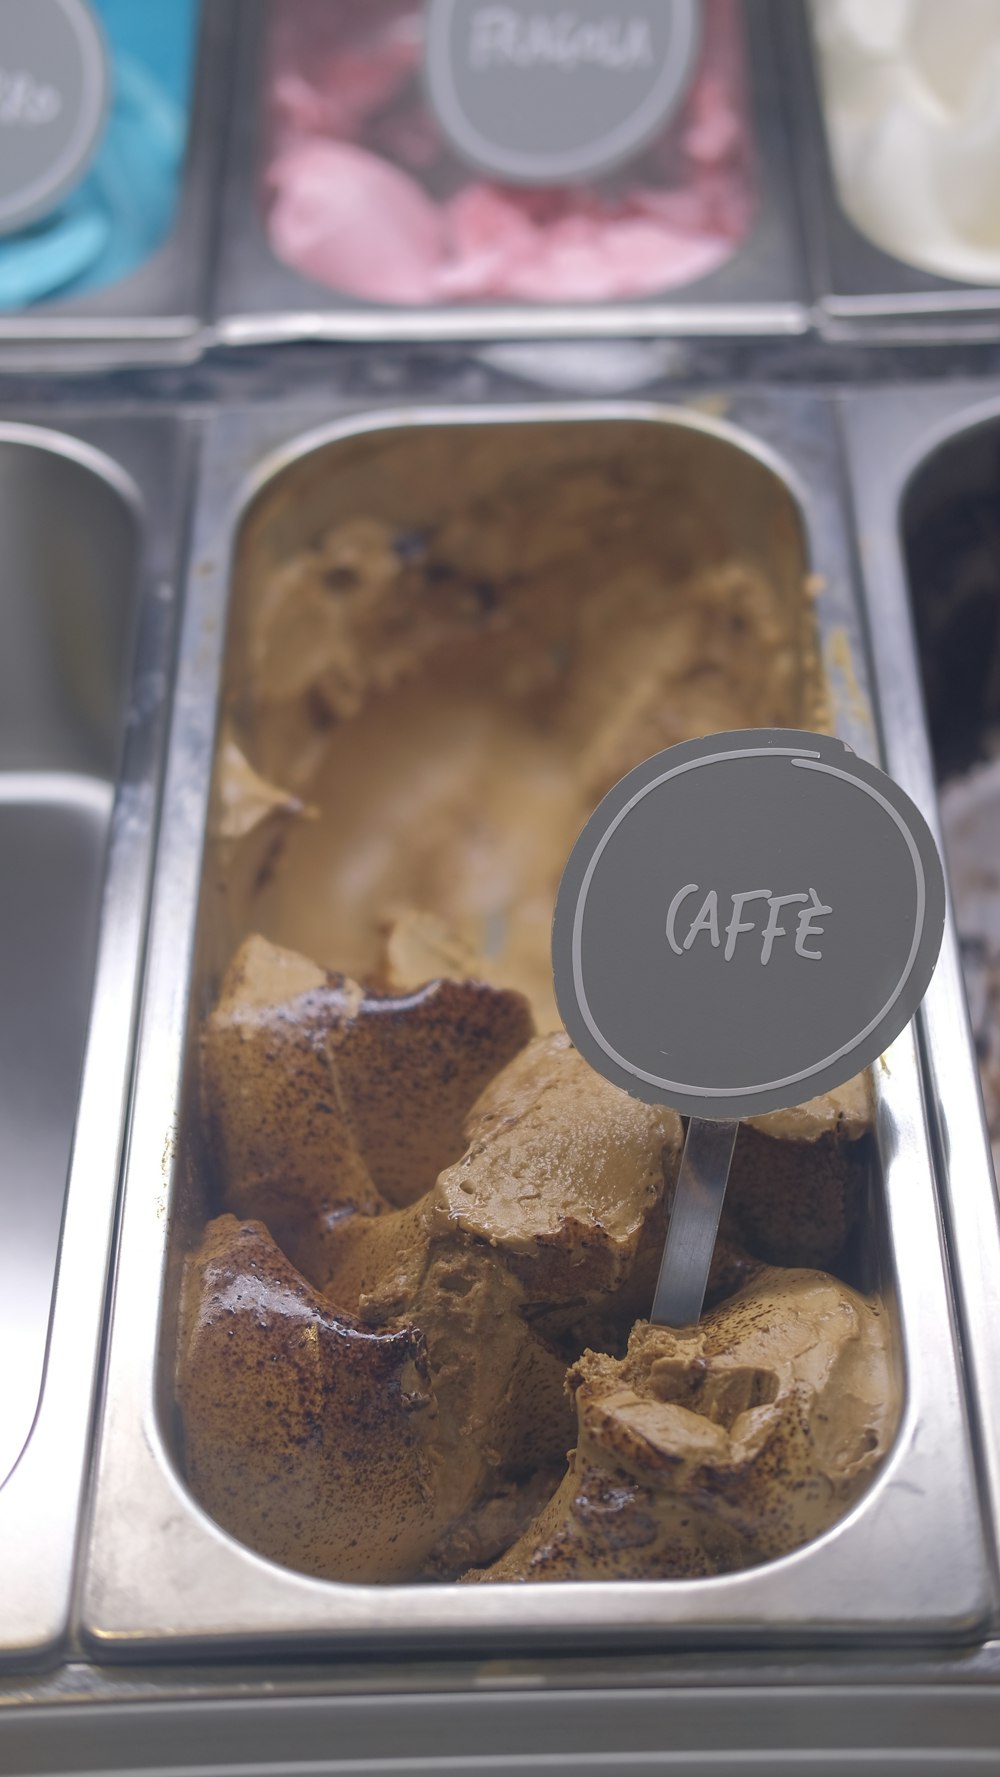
{"points": [[53, 94], [538, 92], [746, 921]]}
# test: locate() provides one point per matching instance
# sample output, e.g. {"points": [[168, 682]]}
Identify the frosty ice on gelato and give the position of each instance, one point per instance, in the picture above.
{"points": [[911, 97], [433, 1232], [362, 192]]}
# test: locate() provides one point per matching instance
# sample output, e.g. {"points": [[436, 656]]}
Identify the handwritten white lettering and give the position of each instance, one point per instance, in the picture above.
{"points": [[690, 888], [24, 102], [772, 929], [707, 920], [502, 38], [807, 926], [736, 924]]}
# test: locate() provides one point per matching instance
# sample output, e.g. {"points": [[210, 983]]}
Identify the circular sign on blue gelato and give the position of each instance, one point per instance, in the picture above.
{"points": [[53, 101]]}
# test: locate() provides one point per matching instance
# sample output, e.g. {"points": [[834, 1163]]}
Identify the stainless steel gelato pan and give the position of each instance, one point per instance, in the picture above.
{"points": [[90, 518], [924, 477], [349, 216], [438, 527], [893, 132]]}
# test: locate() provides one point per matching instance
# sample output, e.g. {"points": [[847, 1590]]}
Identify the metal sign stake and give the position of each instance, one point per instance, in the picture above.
{"points": [[694, 1221], [745, 921]]}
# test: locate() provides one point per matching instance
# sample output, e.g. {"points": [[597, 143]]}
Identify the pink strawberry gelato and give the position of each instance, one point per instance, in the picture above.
{"points": [[351, 220], [362, 192]]}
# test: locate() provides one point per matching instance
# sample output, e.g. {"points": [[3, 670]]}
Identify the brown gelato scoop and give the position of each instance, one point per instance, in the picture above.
{"points": [[719, 1446], [546, 1208], [559, 1178], [562, 1171], [306, 1435], [798, 1177], [436, 1174], [321, 1099]]}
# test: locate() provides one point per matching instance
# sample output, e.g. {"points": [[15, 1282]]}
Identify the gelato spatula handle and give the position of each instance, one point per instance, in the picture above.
{"points": [[694, 1222]]}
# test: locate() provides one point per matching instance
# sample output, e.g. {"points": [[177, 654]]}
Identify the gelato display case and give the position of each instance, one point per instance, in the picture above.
{"points": [[111, 115], [334, 1391], [371, 194], [88, 612], [896, 115], [378, 491]]}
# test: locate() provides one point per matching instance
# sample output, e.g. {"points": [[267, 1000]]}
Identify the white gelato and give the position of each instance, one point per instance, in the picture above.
{"points": [[911, 92]]}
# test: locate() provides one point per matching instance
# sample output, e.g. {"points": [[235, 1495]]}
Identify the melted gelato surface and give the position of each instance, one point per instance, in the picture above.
{"points": [[456, 703]]}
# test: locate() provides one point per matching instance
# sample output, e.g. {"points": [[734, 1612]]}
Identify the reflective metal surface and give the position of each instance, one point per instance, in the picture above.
{"points": [[892, 439], [157, 312], [561, 1730], [821, 1712], [910, 1560], [87, 603], [760, 289], [52, 840], [694, 1222], [861, 291]]}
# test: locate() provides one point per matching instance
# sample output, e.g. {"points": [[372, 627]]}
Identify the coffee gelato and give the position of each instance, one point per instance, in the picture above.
{"points": [[798, 1176], [422, 1206], [304, 1432], [456, 701], [544, 1212], [301, 1081], [718, 1446], [417, 1263]]}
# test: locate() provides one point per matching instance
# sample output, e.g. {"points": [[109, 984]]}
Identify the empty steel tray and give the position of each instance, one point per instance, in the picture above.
{"points": [[91, 519]]}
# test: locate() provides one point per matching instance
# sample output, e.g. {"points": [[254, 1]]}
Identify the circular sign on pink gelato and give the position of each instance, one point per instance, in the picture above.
{"points": [[535, 92], [366, 192]]}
